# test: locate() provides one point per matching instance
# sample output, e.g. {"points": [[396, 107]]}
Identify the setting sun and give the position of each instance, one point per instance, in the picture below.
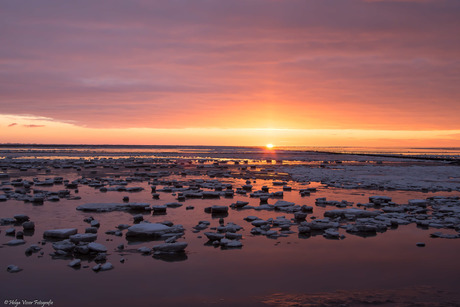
{"points": [[269, 146]]}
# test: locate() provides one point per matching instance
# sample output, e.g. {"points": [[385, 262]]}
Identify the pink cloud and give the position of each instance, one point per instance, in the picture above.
{"points": [[385, 64], [12, 125], [33, 126]]}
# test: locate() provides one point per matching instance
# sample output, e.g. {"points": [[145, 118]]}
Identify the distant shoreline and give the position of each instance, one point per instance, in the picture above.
{"points": [[435, 154]]}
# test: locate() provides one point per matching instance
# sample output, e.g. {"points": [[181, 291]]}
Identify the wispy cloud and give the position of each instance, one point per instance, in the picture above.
{"points": [[12, 125], [34, 126]]}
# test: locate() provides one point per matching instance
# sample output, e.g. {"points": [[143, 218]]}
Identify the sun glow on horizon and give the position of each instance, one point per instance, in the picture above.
{"points": [[270, 146]]}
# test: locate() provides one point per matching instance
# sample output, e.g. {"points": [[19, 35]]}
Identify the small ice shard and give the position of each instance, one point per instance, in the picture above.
{"points": [[417, 202], [60, 233], [420, 244], [21, 218], [176, 247], [91, 230], [28, 225], [97, 247], [148, 230], [64, 245], [378, 199], [15, 242], [353, 212], [230, 243], [211, 194], [173, 205], [95, 223], [13, 268], [300, 215], [144, 250], [96, 268], [170, 240], [258, 223], [233, 236], [271, 233], [134, 189], [107, 207], [331, 233], [106, 266], [32, 249], [82, 249], [282, 203], [444, 235], [213, 236], [75, 263], [239, 204], [219, 209], [101, 257], [159, 209], [138, 218], [87, 237], [10, 231]]}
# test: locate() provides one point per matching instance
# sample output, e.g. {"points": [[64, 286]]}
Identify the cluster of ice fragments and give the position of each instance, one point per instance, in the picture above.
{"points": [[32, 191], [440, 177], [381, 214], [378, 215]]}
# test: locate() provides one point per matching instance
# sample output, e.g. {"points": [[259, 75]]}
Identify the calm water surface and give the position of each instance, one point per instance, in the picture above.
{"points": [[211, 276]]}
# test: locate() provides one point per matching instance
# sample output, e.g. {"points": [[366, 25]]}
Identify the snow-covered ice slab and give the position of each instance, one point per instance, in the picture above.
{"points": [[107, 207]]}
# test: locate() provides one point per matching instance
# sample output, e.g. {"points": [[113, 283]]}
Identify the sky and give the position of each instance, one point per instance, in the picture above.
{"points": [[240, 72]]}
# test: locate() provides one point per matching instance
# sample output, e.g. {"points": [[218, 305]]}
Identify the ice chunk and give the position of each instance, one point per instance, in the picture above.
{"points": [[64, 245], [21, 218], [351, 212], [13, 268], [173, 205], [60, 233], [176, 247], [28, 225], [213, 236], [106, 266], [378, 199], [148, 230], [75, 263], [15, 242], [107, 207], [230, 243], [96, 247], [86, 237], [144, 250]]}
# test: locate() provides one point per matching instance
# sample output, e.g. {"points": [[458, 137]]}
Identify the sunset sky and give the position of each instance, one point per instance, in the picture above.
{"points": [[239, 72]]}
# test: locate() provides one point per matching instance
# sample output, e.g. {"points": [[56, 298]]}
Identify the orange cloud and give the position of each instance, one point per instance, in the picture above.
{"points": [[338, 64]]}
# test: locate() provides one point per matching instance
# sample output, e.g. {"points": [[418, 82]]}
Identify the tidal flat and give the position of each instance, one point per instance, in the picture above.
{"points": [[254, 230]]}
